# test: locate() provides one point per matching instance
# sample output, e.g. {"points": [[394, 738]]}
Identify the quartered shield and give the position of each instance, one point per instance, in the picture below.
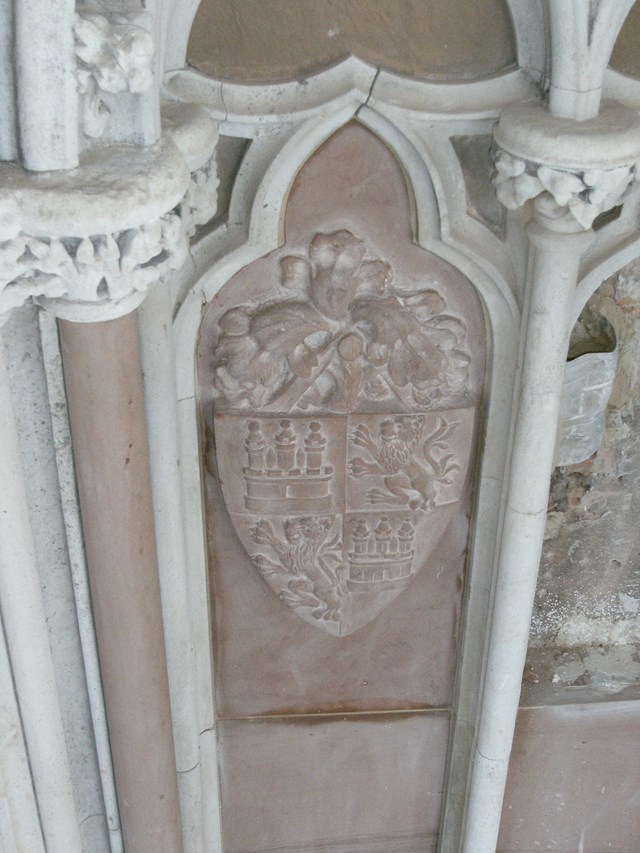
{"points": [[343, 430]]}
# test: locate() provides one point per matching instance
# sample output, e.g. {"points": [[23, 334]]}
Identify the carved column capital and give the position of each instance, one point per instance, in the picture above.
{"points": [[87, 244], [582, 194], [573, 170]]}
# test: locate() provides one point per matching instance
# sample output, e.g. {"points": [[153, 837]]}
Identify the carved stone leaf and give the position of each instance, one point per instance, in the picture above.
{"points": [[335, 260], [348, 338], [285, 325], [295, 274], [424, 304]]}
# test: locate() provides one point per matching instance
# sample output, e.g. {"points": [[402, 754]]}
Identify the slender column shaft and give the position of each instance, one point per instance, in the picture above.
{"points": [[106, 408], [47, 94], [28, 643], [78, 567], [20, 823], [553, 270], [582, 37], [8, 128], [156, 345]]}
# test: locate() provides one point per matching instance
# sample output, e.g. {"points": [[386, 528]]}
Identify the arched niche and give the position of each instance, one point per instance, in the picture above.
{"points": [[340, 384], [254, 229]]}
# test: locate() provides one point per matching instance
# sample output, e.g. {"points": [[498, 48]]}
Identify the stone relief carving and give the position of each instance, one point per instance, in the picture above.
{"points": [[583, 194], [307, 572], [393, 454], [113, 56], [347, 401], [342, 336], [104, 268], [201, 199], [287, 475]]}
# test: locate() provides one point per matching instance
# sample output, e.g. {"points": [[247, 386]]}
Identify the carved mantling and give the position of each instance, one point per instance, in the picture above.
{"points": [[574, 170], [341, 335], [114, 55], [88, 244]]}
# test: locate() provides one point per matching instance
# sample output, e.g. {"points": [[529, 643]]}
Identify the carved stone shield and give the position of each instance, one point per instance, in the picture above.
{"points": [[343, 427]]}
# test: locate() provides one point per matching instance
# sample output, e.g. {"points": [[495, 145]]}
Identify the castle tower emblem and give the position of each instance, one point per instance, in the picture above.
{"points": [[381, 558], [286, 474]]}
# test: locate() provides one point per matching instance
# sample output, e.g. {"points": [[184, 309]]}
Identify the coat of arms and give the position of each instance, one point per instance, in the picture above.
{"points": [[343, 426]]}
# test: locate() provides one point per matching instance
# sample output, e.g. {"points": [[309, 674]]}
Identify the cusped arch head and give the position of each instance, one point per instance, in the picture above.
{"points": [[268, 213], [332, 251], [428, 193], [527, 19]]}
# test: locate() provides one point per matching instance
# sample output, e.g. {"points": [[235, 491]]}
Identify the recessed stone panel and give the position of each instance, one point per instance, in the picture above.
{"points": [[340, 385], [341, 392], [370, 784], [574, 780], [270, 40]]}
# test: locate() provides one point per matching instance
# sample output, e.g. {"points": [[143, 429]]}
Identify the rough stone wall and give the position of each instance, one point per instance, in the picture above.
{"points": [[587, 609]]}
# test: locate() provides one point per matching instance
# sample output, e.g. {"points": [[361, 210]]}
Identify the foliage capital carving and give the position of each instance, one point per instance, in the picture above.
{"points": [[114, 55], [103, 275], [582, 194]]}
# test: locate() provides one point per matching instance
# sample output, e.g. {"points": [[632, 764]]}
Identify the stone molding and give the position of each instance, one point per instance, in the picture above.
{"points": [[350, 82], [113, 56], [87, 261]]}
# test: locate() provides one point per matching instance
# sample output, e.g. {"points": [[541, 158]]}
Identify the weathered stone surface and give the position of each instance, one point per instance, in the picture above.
{"points": [[573, 780], [473, 152], [589, 585], [625, 52]]}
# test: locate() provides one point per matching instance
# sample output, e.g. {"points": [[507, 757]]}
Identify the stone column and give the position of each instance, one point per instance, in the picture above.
{"points": [[88, 256], [585, 171], [23, 618], [106, 406]]}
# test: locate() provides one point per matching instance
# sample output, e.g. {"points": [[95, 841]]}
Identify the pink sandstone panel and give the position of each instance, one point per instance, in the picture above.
{"points": [[340, 389], [333, 784]]}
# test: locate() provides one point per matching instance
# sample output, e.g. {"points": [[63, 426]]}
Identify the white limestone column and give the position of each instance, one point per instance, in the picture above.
{"points": [[574, 171], [28, 644], [157, 353], [8, 128], [19, 820], [552, 275], [158, 363], [582, 37], [47, 96]]}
